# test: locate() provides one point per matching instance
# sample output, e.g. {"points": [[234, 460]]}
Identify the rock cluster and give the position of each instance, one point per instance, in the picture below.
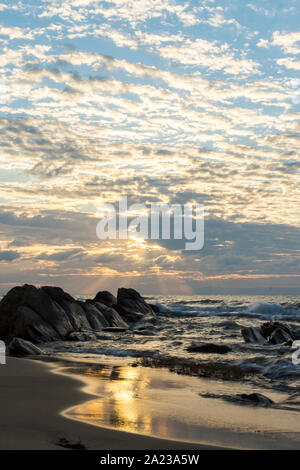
{"points": [[270, 333], [38, 315]]}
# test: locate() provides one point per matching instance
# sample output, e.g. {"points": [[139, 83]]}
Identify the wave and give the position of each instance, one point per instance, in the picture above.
{"points": [[260, 310], [162, 308], [195, 302], [78, 349], [265, 310]]}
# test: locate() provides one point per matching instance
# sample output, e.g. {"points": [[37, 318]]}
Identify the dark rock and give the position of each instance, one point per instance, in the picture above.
{"points": [[132, 306], [29, 325], [255, 399], [77, 445], [269, 327], [43, 317], [95, 318], [115, 329], [280, 336], [112, 317], [296, 333], [49, 314], [20, 347], [71, 307], [253, 335], [154, 307], [209, 348], [106, 298]]}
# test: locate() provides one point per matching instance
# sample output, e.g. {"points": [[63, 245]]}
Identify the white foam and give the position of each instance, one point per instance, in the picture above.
{"points": [[266, 309]]}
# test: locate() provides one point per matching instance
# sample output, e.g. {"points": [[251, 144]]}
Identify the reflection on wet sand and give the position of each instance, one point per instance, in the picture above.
{"points": [[117, 407], [158, 403]]}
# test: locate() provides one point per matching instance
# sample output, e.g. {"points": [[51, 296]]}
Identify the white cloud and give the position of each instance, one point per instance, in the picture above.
{"points": [[287, 41], [289, 63], [263, 43]]}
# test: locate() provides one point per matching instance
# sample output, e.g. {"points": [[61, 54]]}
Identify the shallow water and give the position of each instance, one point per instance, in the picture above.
{"points": [[160, 403], [216, 319]]}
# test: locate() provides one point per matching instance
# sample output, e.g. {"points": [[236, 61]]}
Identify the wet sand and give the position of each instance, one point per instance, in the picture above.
{"points": [[116, 406], [32, 399], [160, 403]]}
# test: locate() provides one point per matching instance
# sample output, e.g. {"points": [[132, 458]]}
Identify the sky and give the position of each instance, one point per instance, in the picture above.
{"points": [[164, 101]]}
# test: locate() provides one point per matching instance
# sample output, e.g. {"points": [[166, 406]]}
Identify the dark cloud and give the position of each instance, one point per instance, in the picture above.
{"points": [[9, 255], [61, 255]]}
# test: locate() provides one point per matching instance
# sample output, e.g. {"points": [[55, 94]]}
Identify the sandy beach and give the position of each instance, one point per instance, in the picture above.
{"points": [[32, 399]]}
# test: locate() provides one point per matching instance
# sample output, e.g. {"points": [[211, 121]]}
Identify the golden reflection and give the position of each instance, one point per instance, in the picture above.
{"points": [[123, 387]]}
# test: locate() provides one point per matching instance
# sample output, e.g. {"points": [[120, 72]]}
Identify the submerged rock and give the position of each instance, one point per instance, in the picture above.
{"points": [[268, 328], [209, 348], [270, 333], [280, 336], [255, 399], [131, 305], [20, 347], [253, 335]]}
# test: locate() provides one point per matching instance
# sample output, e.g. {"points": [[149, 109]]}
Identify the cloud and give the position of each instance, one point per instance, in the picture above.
{"points": [[287, 41], [263, 43], [61, 255], [211, 55], [9, 255], [289, 63], [185, 108]]}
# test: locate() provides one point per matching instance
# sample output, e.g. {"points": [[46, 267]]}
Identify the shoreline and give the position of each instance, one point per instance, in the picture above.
{"points": [[33, 400], [158, 403]]}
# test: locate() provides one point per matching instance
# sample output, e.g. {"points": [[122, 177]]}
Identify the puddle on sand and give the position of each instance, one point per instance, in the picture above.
{"points": [[159, 403]]}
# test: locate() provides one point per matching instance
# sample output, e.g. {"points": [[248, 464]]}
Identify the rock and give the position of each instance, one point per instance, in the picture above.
{"points": [[112, 317], [43, 319], [49, 314], [280, 336], [253, 335], [30, 326], [296, 333], [209, 348], [255, 399], [20, 347], [95, 318], [71, 307], [80, 336], [269, 327], [154, 307], [106, 298], [115, 329], [131, 305]]}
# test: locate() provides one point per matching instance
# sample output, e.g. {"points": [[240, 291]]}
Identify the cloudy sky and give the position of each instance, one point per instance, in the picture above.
{"points": [[166, 101]]}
